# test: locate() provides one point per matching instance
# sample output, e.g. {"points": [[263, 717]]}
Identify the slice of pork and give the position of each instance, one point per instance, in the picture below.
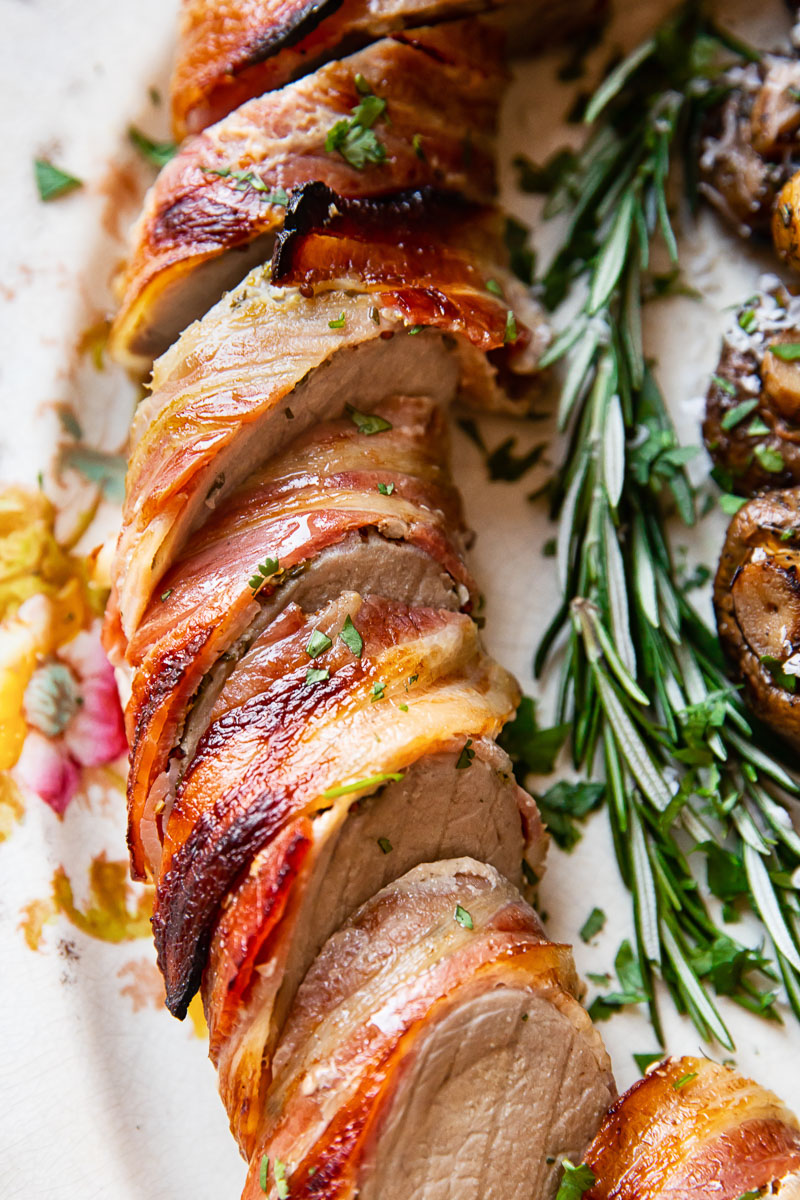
{"points": [[435, 1049], [446, 805], [213, 212], [692, 1129]]}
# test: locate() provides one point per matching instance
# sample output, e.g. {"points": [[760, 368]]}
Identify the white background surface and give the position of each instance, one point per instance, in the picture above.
{"points": [[97, 1101]]}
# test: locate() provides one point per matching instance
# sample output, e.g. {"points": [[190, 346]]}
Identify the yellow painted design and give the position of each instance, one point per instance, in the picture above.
{"points": [[35, 916], [118, 911], [198, 1017], [11, 806]]}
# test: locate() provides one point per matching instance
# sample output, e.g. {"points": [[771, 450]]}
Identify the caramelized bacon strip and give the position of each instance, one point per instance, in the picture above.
{"points": [[690, 1128], [281, 742], [214, 209]]}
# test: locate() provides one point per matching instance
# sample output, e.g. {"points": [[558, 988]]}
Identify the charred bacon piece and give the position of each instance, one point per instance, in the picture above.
{"points": [[291, 727], [757, 602], [214, 210], [311, 878], [233, 50], [752, 422], [440, 1004], [753, 145], [339, 510], [397, 305], [692, 1129]]}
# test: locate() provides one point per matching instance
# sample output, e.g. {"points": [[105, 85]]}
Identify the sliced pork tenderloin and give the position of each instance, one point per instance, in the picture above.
{"points": [[341, 509], [234, 50], [213, 212], [313, 876], [692, 1129], [309, 718], [435, 1048], [378, 301]]}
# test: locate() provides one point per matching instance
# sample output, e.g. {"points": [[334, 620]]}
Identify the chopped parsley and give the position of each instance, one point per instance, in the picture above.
{"points": [[51, 181], [731, 504], [684, 1079], [317, 675], [787, 352], [775, 668], [575, 1181], [757, 428], [386, 489], [463, 917], [771, 460], [378, 689], [338, 323], [318, 643], [242, 180], [264, 571], [262, 1174], [353, 137], [738, 413], [593, 924], [351, 637], [385, 845], [724, 384], [166, 595], [466, 756], [344, 789], [748, 320], [494, 287], [374, 315], [412, 679], [156, 153], [403, 707], [510, 334], [280, 1179], [416, 143], [643, 1061], [367, 423], [413, 330]]}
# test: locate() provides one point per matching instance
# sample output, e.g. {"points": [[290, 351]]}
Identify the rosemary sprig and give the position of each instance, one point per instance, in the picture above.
{"points": [[696, 807]]}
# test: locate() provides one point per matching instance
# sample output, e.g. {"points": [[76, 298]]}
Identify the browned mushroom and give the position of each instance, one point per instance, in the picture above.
{"points": [[752, 147], [757, 602], [752, 421]]}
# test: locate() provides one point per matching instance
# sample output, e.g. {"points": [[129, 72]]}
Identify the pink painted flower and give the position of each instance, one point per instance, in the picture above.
{"points": [[74, 719]]}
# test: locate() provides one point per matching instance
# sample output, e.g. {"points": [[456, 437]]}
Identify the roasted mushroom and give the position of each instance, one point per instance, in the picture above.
{"points": [[752, 422], [752, 147], [757, 602]]}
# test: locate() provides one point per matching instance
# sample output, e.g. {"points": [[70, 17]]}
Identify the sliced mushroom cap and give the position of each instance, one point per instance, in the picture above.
{"points": [[752, 148], [752, 421], [757, 602]]}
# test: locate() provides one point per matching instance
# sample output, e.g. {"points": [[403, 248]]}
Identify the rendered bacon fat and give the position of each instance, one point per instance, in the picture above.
{"points": [[339, 323], [312, 877], [281, 740], [340, 509], [437, 1007], [692, 1129], [213, 211], [232, 50]]}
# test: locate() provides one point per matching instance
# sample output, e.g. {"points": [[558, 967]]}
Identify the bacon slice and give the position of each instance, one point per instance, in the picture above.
{"points": [[435, 1047], [278, 743], [208, 218], [272, 358], [318, 511], [691, 1129], [232, 50], [448, 804]]}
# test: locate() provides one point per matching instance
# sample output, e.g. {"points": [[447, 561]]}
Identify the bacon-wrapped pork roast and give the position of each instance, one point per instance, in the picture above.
{"points": [[435, 1048], [421, 110], [232, 50], [690, 1130], [752, 422]]}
